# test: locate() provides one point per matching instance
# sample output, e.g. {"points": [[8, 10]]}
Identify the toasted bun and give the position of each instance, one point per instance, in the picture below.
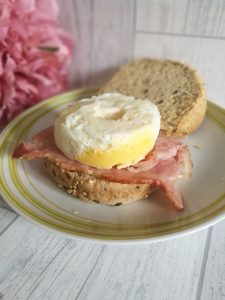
{"points": [[173, 86], [91, 189]]}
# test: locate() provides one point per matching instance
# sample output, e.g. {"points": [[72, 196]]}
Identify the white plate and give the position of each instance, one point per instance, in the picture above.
{"points": [[26, 186]]}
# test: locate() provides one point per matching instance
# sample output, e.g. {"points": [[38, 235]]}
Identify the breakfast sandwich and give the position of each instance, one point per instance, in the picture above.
{"points": [[108, 149], [119, 146]]}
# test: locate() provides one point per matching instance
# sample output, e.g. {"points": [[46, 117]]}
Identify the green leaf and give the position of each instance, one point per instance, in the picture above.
{"points": [[48, 49]]}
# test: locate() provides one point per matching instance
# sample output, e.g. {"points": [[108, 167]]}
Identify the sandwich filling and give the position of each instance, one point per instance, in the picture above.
{"points": [[108, 130], [131, 152]]}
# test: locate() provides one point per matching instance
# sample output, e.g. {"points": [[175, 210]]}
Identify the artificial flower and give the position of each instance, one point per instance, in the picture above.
{"points": [[34, 55]]}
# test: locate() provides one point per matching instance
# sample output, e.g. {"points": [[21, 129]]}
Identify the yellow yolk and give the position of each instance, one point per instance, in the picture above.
{"points": [[122, 156]]}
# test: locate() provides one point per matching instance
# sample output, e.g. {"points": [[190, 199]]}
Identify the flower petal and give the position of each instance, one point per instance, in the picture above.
{"points": [[34, 55], [23, 7]]}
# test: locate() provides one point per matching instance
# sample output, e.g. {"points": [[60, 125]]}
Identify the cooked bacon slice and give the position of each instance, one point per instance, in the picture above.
{"points": [[172, 193], [168, 161]]}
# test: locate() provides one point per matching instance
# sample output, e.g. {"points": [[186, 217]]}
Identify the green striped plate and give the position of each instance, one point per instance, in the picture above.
{"points": [[28, 189]]}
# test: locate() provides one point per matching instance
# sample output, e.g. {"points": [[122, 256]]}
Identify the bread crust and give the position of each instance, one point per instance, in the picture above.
{"points": [[92, 189], [173, 86]]}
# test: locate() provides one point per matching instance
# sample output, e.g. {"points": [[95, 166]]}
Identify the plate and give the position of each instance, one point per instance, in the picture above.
{"points": [[27, 188]]}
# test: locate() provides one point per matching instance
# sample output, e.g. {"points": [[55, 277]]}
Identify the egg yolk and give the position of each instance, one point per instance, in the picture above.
{"points": [[122, 156]]}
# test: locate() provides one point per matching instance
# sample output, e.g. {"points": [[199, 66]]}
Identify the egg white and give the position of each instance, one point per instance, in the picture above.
{"points": [[108, 130]]}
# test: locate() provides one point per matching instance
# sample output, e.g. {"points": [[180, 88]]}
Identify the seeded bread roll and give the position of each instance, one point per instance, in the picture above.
{"points": [[173, 86], [91, 189]]}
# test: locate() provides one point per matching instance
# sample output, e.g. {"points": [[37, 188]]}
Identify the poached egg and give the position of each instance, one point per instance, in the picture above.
{"points": [[108, 130]]}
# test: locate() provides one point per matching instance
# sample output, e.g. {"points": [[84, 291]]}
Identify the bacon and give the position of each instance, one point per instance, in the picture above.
{"points": [[168, 161], [172, 193], [165, 148]]}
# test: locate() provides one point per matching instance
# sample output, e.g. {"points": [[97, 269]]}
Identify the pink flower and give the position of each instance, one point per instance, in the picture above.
{"points": [[34, 55]]}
